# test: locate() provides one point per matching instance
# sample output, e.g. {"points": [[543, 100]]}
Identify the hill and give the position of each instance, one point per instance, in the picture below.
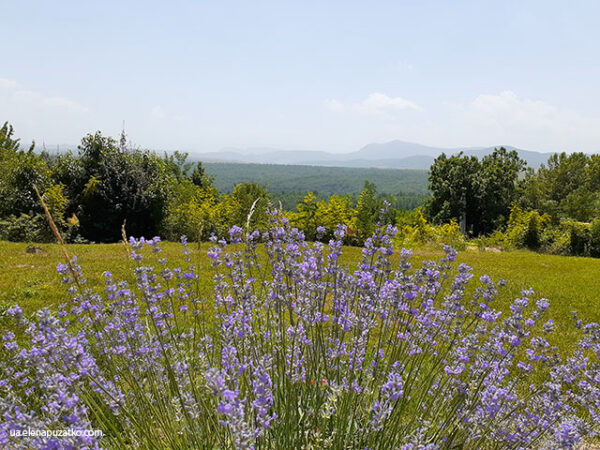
{"points": [[394, 154]]}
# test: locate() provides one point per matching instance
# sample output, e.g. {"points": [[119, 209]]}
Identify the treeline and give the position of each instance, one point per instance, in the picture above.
{"points": [[107, 184], [322, 179], [500, 202], [402, 201], [492, 201]]}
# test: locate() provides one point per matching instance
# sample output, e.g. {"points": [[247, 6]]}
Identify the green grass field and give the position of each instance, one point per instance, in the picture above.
{"points": [[569, 283]]}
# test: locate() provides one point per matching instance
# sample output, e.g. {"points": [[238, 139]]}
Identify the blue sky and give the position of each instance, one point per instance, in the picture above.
{"points": [[200, 76]]}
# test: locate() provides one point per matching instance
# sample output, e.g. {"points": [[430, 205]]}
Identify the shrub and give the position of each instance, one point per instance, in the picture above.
{"points": [[247, 206], [579, 237], [555, 240], [25, 228], [336, 210], [191, 211], [531, 238], [525, 228], [21, 169], [415, 230], [594, 246], [298, 353], [111, 185], [34, 227], [449, 234]]}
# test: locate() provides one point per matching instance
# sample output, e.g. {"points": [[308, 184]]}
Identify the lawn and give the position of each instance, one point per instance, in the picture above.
{"points": [[570, 283], [31, 280]]}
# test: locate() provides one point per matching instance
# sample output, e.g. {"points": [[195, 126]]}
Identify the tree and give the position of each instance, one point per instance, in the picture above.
{"points": [[21, 170], [456, 190], [306, 218], [478, 194], [177, 164], [241, 201], [568, 186], [498, 183], [123, 139], [115, 185], [367, 211], [199, 176], [7, 142]]}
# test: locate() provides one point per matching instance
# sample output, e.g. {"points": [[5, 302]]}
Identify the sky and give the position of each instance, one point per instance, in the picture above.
{"points": [[200, 76]]}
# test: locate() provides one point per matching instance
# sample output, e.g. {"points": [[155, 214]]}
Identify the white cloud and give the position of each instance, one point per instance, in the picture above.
{"points": [[503, 118], [376, 104], [509, 119], [12, 90], [8, 84], [157, 113], [36, 115], [334, 105], [37, 100], [404, 66]]}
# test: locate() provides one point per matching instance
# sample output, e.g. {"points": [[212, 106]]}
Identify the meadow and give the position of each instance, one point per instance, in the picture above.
{"points": [[569, 283], [288, 344]]}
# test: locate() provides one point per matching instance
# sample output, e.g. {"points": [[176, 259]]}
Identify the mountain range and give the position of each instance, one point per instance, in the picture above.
{"points": [[394, 154]]}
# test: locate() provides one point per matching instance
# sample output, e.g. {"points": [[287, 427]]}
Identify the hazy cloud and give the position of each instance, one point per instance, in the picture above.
{"points": [[12, 90], [37, 115], [374, 104], [508, 118], [8, 84], [377, 103], [157, 113], [334, 105]]}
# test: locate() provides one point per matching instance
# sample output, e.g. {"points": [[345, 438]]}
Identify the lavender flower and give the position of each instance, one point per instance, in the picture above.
{"points": [[294, 350]]}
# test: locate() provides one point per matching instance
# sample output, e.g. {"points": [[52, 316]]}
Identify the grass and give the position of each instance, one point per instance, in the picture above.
{"points": [[570, 283]]}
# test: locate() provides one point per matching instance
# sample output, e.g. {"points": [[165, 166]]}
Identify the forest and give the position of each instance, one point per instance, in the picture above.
{"points": [[405, 189], [107, 186]]}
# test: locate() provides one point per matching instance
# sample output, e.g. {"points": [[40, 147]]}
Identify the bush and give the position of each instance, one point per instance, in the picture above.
{"points": [[299, 353], [20, 171], [531, 238], [525, 228], [113, 185], [594, 245], [555, 240], [191, 211], [34, 227], [415, 230], [327, 214], [25, 228], [579, 239]]}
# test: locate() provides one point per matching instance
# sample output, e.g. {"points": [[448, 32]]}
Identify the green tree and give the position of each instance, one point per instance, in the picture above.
{"points": [[177, 164], [115, 185], [367, 211], [21, 170], [568, 186], [498, 184], [7, 142], [306, 218], [456, 191], [246, 198], [477, 194], [199, 176]]}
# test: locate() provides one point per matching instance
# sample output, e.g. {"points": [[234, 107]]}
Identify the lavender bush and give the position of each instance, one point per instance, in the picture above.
{"points": [[295, 351]]}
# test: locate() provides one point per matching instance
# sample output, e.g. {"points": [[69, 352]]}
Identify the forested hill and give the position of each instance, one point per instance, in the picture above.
{"points": [[333, 180]]}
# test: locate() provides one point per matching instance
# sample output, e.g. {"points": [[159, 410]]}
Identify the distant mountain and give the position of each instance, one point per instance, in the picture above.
{"points": [[397, 150], [394, 154]]}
